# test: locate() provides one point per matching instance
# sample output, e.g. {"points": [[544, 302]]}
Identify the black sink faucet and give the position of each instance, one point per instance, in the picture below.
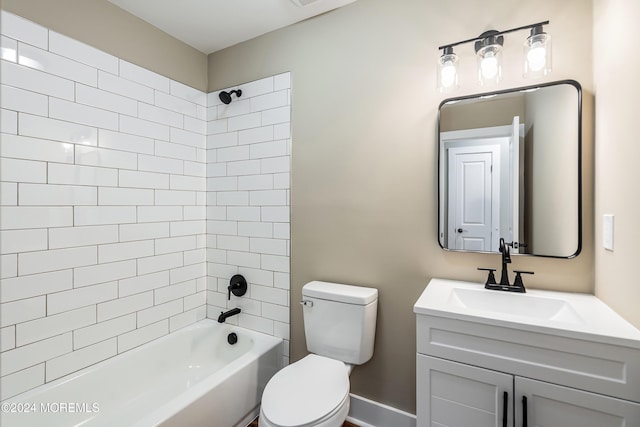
{"points": [[226, 314], [518, 284], [506, 259]]}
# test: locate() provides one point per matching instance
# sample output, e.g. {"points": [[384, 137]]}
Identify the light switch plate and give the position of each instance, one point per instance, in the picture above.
{"points": [[607, 231]]}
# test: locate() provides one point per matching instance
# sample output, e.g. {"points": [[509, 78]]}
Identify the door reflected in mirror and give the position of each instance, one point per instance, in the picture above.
{"points": [[509, 166]]}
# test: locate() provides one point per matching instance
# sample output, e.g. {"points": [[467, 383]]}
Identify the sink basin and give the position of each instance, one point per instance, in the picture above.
{"points": [[520, 305], [565, 314]]}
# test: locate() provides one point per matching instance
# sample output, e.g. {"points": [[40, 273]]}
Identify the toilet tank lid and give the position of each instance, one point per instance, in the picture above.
{"points": [[339, 292]]}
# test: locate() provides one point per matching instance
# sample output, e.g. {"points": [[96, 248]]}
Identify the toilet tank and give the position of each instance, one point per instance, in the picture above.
{"points": [[340, 320]]}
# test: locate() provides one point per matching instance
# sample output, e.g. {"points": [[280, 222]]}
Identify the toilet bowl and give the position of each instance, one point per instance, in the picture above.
{"points": [[339, 322], [311, 392]]}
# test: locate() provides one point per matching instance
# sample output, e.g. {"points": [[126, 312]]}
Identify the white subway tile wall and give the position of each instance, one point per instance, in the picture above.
{"points": [[103, 213], [128, 200], [248, 161]]}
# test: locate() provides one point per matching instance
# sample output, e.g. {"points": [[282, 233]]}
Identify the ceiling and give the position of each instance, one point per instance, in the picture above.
{"points": [[211, 25]]}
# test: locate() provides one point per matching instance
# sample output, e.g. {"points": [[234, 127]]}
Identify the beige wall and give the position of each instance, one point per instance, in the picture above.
{"points": [[364, 172], [105, 26], [617, 153]]}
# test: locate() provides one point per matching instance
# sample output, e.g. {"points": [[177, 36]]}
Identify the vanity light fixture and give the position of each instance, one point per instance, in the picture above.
{"points": [[489, 54], [448, 70], [537, 53], [488, 48]]}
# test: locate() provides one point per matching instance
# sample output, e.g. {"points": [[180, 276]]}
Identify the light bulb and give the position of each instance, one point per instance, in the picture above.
{"points": [[448, 71], [489, 66], [537, 54], [537, 57], [448, 77], [489, 57]]}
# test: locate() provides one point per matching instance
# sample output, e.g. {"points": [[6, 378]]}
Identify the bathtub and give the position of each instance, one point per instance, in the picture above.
{"points": [[192, 377]]}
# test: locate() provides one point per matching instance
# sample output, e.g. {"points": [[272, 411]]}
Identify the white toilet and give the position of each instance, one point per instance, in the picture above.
{"points": [[339, 325]]}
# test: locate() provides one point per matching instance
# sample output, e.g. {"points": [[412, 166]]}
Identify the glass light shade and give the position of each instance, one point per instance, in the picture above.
{"points": [[490, 64], [448, 71], [537, 55]]}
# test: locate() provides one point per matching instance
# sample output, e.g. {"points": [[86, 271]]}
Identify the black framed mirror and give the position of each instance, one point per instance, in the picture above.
{"points": [[509, 166]]}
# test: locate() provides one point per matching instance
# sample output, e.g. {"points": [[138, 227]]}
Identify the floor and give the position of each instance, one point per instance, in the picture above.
{"points": [[254, 423]]}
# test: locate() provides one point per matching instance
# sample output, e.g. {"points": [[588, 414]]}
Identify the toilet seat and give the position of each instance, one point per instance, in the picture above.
{"points": [[334, 419], [308, 392]]}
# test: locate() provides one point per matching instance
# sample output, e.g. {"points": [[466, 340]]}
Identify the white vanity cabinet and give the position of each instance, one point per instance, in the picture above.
{"points": [[457, 395], [553, 405], [486, 369]]}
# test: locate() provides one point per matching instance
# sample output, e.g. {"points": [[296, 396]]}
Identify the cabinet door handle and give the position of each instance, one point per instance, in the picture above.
{"points": [[524, 411], [505, 408]]}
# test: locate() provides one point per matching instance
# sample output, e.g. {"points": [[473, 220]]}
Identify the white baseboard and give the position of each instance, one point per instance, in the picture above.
{"points": [[368, 413]]}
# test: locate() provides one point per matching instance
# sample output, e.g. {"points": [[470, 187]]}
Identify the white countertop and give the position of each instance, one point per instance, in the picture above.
{"points": [[582, 314]]}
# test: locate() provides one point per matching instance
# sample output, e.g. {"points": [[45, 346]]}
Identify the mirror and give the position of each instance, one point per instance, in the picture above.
{"points": [[510, 167]]}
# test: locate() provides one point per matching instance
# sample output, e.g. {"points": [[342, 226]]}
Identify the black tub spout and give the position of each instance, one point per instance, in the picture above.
{"points": [[226, 314]]}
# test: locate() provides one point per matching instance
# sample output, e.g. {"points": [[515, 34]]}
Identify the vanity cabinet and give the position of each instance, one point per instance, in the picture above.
{"points": [[553, 405], [457, 395], [490, 365]]}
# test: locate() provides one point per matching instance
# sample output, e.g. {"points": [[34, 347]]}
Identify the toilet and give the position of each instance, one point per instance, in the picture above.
{"points": [[339, 325]]}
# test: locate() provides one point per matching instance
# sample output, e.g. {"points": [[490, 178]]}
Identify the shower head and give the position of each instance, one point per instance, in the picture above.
{"points": [[225, 96]]}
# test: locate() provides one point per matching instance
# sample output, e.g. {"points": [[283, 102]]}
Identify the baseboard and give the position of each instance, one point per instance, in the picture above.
{"points": [[249, 418], [368, 413]]}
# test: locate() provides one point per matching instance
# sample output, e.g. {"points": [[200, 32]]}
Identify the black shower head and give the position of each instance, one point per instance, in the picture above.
{"points": [[225, 96]]}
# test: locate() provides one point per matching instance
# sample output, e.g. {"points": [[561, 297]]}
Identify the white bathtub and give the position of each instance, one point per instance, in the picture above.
{"points": [[192, 377]]}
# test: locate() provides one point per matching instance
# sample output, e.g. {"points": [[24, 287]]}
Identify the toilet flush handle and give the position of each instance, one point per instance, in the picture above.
{"points": [[307, 303]]}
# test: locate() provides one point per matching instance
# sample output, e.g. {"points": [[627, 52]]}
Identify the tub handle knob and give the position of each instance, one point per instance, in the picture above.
{"points": [[307, 303], [237, 285]]}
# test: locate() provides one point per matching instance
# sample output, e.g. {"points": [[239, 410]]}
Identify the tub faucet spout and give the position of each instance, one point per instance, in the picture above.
{"points": [[226, 314]]}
